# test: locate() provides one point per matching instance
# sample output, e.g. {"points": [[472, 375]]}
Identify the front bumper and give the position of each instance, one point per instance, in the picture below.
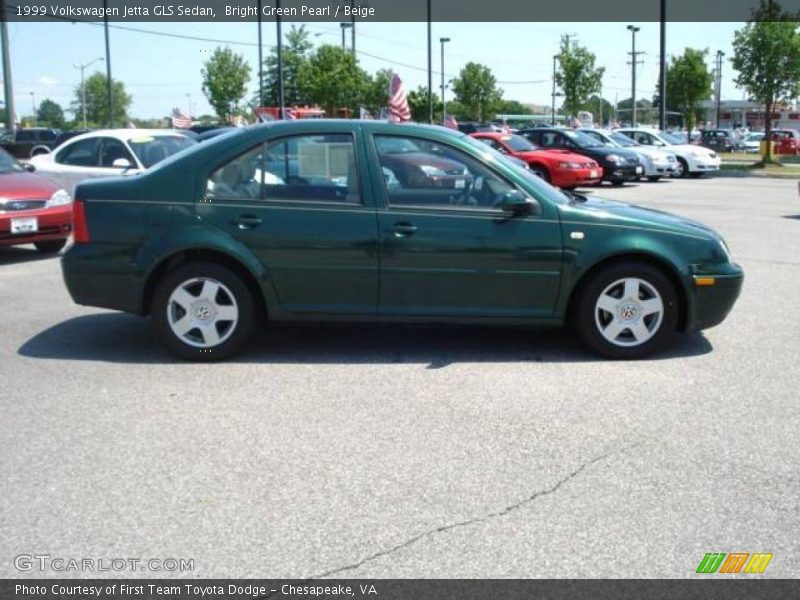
{"points": [[711, 302], [52, 224], [616, 172]]}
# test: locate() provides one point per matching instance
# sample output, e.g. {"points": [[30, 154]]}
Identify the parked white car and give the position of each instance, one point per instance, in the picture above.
{"points": [[752, 142], [692, 160], [657, 162], [108, 153]]}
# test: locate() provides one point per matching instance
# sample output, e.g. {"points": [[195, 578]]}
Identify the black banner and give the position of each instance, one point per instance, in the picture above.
{"points": [[714, 588], [386, 10]]}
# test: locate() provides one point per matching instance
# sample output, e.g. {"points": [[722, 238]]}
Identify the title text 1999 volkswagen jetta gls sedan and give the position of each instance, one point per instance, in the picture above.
{"points": [[334, 220]]}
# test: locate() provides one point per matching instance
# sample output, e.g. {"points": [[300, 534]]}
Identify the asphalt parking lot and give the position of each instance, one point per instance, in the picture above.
{"points": [[412, 451]]}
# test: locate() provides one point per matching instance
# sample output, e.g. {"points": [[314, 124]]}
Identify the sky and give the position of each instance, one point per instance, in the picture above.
{"points": [[161, 71]]}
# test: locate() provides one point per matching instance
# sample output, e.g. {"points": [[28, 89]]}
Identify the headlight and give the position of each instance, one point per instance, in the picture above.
{"points": [[569, 165], [60, 198], [432, 171], [612, 158]]}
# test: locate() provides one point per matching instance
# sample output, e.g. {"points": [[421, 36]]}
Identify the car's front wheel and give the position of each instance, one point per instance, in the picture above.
{"points": [[203, 311], [681, 168], [627, 310]]}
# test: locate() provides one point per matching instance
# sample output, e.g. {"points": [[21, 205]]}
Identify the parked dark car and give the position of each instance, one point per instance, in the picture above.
{"points": [[721, 140], [209, 247], [25, 143], [619, 165]]}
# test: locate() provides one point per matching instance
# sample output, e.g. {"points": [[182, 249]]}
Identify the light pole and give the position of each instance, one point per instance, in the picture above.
{"points": [[443, 41], [720, 54], [633, 31], [343, 27], [33, 104], [553, 108], [82, 68], [189, 98]]}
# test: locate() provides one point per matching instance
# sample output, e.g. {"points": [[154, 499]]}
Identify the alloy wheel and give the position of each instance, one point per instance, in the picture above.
{"points": [[202, 312], [629, 312]]}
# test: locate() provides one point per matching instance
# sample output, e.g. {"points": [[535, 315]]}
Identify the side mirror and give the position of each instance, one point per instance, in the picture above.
{"points": [[122, 163], [518, 204], [29, 167]]}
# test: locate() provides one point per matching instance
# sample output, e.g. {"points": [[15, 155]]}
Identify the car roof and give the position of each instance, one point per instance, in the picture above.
{"points": [[126, 134]]}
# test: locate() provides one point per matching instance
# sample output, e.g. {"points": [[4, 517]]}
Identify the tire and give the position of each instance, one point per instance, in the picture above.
{"points": [[219, 323], [617, 182], [682, 168], [696, 174], [541, 172], [50, 246], [654, 178], [604, 309]]}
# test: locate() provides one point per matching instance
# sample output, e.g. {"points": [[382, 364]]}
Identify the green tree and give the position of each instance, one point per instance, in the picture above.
{"points": [[513, 107], [375, 94], [332, 79], [577, 76], [766, 54], [476, 89], [602, 110], [418, 103], [97, 113], [688, 83], [50, 114], [225, 77], [294, 55]]}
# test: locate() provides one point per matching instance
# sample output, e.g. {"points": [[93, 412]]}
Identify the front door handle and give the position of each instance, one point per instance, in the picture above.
{"points": [[404, 229], [247, 221]]}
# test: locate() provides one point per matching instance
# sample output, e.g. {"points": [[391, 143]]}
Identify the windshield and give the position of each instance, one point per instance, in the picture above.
{"points": [[517, 143], [541, 186], [623, 140], [8, 164], [583, 140], [670, 139], [152, 149], [755, 137]]}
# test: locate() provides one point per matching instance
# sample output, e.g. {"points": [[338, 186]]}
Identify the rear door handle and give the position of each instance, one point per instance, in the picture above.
{"points": [[404, 229], [247, 221]]}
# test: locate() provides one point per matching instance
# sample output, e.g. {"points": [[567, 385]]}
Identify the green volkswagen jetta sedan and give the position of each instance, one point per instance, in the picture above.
{"points": [[365, 220]]}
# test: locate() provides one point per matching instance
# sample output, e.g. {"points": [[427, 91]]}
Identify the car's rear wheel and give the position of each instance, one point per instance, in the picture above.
{"points": [[203, 311], [50, 246], [654, 178], [626, 311]]}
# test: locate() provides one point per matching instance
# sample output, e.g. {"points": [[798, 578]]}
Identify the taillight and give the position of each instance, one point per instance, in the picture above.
{"points": [[81, 228]]}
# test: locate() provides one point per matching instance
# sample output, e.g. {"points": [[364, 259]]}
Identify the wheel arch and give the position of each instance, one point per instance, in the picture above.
{"points": [[667, 269], [205, 254]]}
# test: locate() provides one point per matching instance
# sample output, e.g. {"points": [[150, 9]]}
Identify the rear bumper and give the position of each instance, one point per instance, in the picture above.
{"points": [[99, 275], [712, 303], [53, 224]]}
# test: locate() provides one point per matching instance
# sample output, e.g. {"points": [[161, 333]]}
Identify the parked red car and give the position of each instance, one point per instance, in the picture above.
{"points": [[562, 168], [787, 141], [33, 210]]}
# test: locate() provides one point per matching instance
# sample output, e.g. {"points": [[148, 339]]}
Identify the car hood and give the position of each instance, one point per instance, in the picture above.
{"points": [[25, 185], [602, 209], [652, 152], [686, 148], [561, 155]]}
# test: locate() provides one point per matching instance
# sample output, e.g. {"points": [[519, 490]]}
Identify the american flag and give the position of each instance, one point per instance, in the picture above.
{"points": [[180, 120], [450, 121], [399, 111]]}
